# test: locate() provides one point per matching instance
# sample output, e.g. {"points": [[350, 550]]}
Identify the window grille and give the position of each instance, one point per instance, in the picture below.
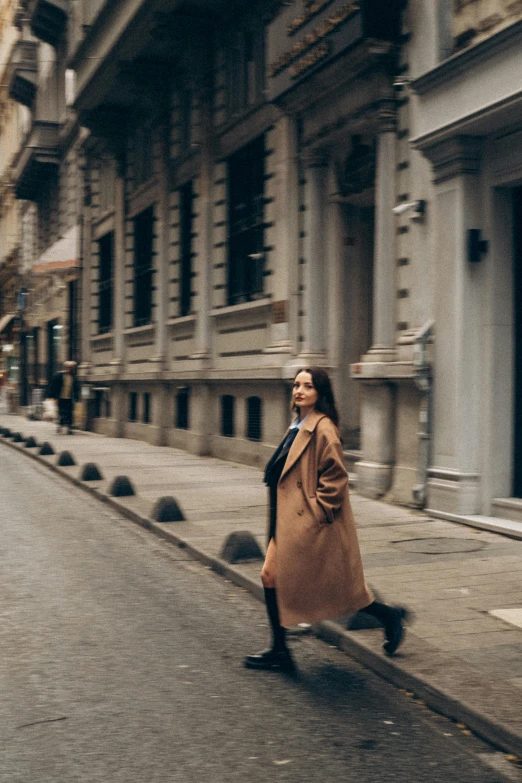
{"points": [[133, 406], [228, 416], [183, 408], [246, 180], [105, 282], [146, 408], [143, 245], [254, 415], [186, 233]]}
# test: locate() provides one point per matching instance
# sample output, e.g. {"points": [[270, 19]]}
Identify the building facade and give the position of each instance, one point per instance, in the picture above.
{"points": [[46, 187], [256, 187], [10, 261]]}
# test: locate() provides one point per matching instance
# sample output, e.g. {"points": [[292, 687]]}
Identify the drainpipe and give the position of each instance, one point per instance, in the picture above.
{"points": [[424, 383]]}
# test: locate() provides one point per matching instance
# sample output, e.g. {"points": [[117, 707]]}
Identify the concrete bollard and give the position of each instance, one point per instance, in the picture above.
{"points": [[65, 460], [46, 449], [241, 545], [121, 487], [90, 472], [166, 509], [30, 443]]}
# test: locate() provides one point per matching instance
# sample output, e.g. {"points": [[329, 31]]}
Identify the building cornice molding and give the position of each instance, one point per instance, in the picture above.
{"points": [[461, 62], [454, 157]]}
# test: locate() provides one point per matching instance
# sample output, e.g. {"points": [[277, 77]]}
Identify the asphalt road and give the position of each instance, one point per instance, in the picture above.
{"points": [[121, 661]]}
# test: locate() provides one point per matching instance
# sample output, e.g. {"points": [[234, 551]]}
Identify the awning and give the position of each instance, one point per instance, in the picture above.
{"points": [[62, 256], [6, 320]]}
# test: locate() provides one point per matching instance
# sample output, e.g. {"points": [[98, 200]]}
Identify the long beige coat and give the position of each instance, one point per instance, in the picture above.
{"points": [[319, 568]]}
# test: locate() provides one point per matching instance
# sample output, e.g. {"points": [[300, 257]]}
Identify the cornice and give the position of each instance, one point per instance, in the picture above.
{"points": [[461, 62]]}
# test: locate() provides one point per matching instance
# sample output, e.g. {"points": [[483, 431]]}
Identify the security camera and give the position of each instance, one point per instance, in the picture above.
{"points": [[401, 83], [414, 206]]}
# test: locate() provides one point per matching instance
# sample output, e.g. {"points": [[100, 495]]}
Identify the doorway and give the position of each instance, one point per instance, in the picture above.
{"points": [[357, 308], [517, 322]]}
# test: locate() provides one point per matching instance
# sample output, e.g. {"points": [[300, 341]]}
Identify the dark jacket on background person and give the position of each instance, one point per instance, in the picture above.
{"points": [[54, 390]]}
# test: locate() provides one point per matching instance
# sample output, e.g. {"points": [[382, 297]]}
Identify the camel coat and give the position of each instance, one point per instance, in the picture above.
{"points": [[319, 570]]}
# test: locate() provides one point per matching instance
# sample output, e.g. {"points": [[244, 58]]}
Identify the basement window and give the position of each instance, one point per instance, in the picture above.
{"points": [[228, 415], [254, 418]]}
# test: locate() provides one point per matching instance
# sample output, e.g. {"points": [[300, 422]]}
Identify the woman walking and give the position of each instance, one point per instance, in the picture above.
{"points": [[313, 569]]}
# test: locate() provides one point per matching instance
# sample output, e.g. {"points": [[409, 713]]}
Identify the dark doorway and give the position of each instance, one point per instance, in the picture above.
{"points": [[517, 319]]}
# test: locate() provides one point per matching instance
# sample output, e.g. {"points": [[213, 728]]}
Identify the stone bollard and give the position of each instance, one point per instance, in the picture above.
{"points": [[30, 443], [90, 472], [46, 449], [121, 487], [241, 545], [166, 509], [65, 460]]}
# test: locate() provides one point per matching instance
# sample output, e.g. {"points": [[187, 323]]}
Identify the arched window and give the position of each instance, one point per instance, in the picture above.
{"points": [[254, 418], [227, 416]]}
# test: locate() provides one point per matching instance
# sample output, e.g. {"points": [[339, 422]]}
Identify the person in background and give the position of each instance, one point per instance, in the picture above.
{"points": [[65, 389], [313, 569]]}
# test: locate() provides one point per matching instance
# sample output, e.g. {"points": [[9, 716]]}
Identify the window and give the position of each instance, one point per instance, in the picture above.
{"points": [[246, 175], [227, 416], [254, 411], [183, 408], [185, 263], [105, 282], [245, 70], [143, 155], [143, 241], [102, 403], [146, 408], [186, 119], [107, 174], [133, 406]]}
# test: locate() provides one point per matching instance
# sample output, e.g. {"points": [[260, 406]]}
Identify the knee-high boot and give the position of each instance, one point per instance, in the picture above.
{"points": [[392, 619], [278, 657]]}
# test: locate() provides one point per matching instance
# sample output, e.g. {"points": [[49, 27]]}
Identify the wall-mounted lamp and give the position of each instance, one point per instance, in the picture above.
{"points": [[476, 245]]}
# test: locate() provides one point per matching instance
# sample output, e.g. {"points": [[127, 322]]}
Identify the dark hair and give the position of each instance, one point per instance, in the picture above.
{"points": [[323, 386]]}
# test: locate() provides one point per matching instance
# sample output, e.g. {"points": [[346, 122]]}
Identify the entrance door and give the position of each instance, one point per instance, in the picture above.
{"points": [[517, 319]]}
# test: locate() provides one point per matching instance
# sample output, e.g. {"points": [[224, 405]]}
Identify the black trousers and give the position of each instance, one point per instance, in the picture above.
{"points": [[65, 413]]}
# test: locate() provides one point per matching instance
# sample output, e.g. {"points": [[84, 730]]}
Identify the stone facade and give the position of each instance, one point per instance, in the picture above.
{"points": [[264, 187]]}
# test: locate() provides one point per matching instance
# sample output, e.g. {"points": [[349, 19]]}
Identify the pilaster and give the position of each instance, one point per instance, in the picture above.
{"points": [[314, 343]]}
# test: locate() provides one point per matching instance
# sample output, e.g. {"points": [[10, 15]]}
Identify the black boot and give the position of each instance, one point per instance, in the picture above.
{"points": [[392, 618], [277, 658]]}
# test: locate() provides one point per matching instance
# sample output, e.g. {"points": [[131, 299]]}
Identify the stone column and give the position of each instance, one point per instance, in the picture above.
{"points": [[383, 335], [454, 478], [204, 279], [314, 344], [118, 399], [162, 259], [375, 470], [285, 212]]}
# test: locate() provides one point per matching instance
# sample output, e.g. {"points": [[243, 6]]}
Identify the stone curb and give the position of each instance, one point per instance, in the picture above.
{"points": [[490, 729]]}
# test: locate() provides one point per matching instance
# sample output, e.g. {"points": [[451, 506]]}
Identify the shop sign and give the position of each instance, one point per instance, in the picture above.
{"points": [[306, 35]]}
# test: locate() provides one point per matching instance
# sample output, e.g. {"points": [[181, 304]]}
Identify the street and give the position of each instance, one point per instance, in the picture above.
{"points": [[122, 661]]}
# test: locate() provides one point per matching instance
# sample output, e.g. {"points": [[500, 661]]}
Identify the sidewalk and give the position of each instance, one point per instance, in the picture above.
{"points": [[459, 657]]}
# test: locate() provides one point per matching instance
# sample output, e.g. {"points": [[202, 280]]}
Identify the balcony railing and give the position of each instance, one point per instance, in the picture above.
{"points": [[23, 72], [49, 19], [37, 161]]}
